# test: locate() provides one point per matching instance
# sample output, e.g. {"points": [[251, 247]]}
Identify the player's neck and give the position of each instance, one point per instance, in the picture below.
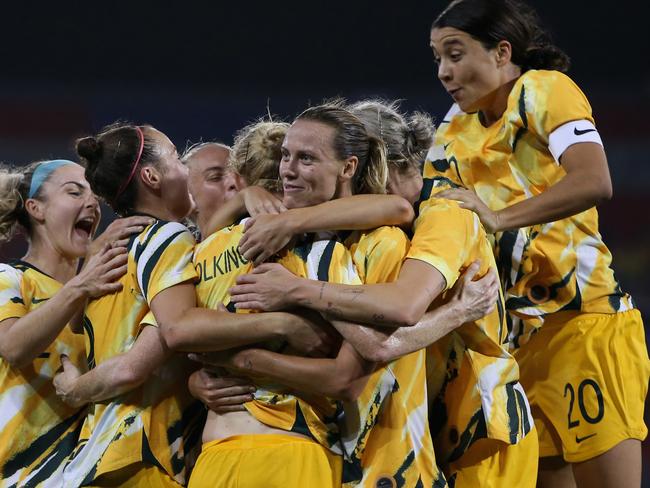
{"points": [[344, 190], [498, 100], [43, 256], [155, 208]]}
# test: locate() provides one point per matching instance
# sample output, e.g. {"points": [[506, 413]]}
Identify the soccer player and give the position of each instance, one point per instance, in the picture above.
{"points": [[137, 431], [40, 294], [479, 414], [281, 438], [522, 142], [211, 181]]}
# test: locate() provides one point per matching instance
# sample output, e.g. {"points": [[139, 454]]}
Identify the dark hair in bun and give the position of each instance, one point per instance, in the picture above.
{"points": [[109, 158]]}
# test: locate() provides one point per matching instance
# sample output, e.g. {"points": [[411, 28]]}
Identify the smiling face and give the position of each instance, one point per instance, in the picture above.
{"points": [[310, 171], [469, 72], [66, 212]]}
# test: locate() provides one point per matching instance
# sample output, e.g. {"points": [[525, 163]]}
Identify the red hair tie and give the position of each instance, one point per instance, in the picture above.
{"points": [[134, 167]]}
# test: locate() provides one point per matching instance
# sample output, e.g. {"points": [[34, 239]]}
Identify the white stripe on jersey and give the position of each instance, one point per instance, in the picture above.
{"points": [[453, 110], [157, 240], [517, 255], [12, 402], [13, 277], [54, 479], [321, 240], [587, 253], [527, 414], [489, 381], [314, 258], [416, 423], [435, 153], [13, 481], [102, 435]]}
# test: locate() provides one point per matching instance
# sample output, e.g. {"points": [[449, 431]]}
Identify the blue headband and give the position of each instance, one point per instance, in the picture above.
{"points": [[43, 172]]}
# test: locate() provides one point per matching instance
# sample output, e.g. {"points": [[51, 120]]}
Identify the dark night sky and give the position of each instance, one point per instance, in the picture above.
{"points": [[287, 44], [204, 70]]}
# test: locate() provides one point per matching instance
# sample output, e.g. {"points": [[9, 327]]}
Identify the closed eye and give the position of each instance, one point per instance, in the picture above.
{"points": [[456, 56], [214, 176], [73, 188]]}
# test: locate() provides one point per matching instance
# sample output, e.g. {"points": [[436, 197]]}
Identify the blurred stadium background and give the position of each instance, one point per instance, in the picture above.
{"points": [[202, 71]]}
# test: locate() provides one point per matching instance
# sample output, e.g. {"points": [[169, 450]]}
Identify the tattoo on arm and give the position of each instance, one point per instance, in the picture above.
{"points": [[356, 293], [322, 288]]}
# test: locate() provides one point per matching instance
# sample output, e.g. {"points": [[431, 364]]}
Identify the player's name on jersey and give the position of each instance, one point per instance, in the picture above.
{"points": [[222, 264]]}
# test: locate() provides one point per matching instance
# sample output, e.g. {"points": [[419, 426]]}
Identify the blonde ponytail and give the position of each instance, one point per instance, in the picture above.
{"points": [[374, 175]]}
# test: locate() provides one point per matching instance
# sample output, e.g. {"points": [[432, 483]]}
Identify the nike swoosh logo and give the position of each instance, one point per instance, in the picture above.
{"points": [[580, 439], [38, 300], [445, 146], [581, 132]]}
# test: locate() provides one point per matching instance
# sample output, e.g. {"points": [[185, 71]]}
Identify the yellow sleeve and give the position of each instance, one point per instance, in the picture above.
{"points": [[554, 100], [12, 302], [148, 319], [166, 259], [441, 237], [380, 253]]}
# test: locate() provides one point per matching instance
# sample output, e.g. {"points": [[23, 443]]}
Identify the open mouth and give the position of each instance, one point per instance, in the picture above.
{"points": [[84, 226]]}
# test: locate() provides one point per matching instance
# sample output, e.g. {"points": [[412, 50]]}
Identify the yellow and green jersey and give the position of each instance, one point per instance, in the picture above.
{"points": [[37, 430], [385, 435], [219, 263], [158, 423], [547, 268], [478, 394]]}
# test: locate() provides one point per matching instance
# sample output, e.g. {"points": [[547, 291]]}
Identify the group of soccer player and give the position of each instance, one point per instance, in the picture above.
{"points": [[355, 298]]}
